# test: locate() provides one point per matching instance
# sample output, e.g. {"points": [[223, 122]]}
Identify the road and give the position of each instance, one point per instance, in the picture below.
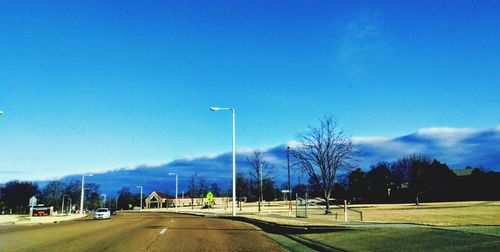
{"points": [[137, 232]]}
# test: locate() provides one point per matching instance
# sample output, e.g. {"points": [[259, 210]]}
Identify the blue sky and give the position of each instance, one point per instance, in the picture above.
{"points": [[99, 85]]}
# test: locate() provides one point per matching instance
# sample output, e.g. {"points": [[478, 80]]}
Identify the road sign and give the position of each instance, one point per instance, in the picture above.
{"points": [[210, 197], [32, 201]]}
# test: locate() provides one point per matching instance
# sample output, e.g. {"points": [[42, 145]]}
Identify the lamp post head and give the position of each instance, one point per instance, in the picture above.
{"points": [[172, 173], [138, 186], [1, 113], [219, 108]]}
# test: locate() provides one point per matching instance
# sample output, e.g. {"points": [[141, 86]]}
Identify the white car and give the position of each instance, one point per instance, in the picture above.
{"points": [[102, 213]]}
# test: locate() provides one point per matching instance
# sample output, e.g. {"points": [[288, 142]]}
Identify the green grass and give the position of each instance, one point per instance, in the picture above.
{"points": [[287, 243], [486, 230], [439, 214], [404, 239]]}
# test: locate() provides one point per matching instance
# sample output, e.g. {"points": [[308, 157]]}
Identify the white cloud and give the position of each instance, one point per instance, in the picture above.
{"points": [[272, 159], [293, 144], [200, 156], [446, 136], [446, 132], [149, 165], [369, 140]]}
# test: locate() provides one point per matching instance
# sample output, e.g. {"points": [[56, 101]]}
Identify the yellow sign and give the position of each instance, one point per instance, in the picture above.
{"points": [[210, 197]]}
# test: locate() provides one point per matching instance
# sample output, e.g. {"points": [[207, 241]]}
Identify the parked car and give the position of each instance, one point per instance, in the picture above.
{"points": [[102, 213]]}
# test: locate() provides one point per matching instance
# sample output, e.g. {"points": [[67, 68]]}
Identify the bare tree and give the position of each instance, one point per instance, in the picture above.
{"points": [[321, 152], [241, 187], [193, 188], [260, 171], [202, 188]]}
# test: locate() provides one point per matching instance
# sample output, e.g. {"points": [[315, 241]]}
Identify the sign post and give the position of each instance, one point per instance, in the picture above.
{"points": [[210, 198], [32, 203]]}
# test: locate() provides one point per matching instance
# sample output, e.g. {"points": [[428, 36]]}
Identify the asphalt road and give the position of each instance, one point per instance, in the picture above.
{"points": [[137, 232]]}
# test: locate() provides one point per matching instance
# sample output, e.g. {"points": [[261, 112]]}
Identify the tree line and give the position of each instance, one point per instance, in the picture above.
{"points": [[416, 179], [15, 195]]}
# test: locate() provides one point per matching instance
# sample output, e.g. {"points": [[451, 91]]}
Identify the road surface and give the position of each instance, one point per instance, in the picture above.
{"points": [[137, 232]]}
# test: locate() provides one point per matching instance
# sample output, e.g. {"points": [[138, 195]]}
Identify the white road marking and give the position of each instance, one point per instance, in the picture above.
{"points": [[163, 231]]}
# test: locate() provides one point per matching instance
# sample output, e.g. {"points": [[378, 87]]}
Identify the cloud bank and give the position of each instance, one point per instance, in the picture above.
{"points": [[457, 147]]}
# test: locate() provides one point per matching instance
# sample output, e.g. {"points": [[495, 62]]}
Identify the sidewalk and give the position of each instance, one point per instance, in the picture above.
{"points": [[26, 220]]}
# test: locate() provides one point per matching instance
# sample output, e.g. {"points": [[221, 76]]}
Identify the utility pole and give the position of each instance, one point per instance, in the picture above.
{"points": [[289, 189], [261, 194], [82, 193], [141, 195]]}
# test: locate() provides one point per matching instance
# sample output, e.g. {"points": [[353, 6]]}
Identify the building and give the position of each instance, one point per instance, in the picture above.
{"points": [[156, 200], [161, 200]]}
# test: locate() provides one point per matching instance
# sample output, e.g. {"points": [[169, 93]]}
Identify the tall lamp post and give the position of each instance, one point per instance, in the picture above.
{"points": [[70, 206], [141, 195], [62, 206], [103, 194], [234, 156], [176, 187], [82, 193]]}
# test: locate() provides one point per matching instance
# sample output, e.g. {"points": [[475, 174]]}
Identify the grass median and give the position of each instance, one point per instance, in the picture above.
{"points": [[404, 239], [448, 226]]}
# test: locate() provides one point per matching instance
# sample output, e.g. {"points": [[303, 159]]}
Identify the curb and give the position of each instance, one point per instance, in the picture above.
{"points": [[276, 228], [268, 225]]}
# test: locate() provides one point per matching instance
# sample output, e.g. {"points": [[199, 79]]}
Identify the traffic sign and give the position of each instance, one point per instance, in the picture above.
{"points": [[32, 201], [210, 197]]}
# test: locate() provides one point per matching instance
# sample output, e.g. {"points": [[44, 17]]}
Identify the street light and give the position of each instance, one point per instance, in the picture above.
{"points": [[81, 198], [176, 187], [103, 194], [234, 155], [70, 206], [141, 195], [62, 206]]}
